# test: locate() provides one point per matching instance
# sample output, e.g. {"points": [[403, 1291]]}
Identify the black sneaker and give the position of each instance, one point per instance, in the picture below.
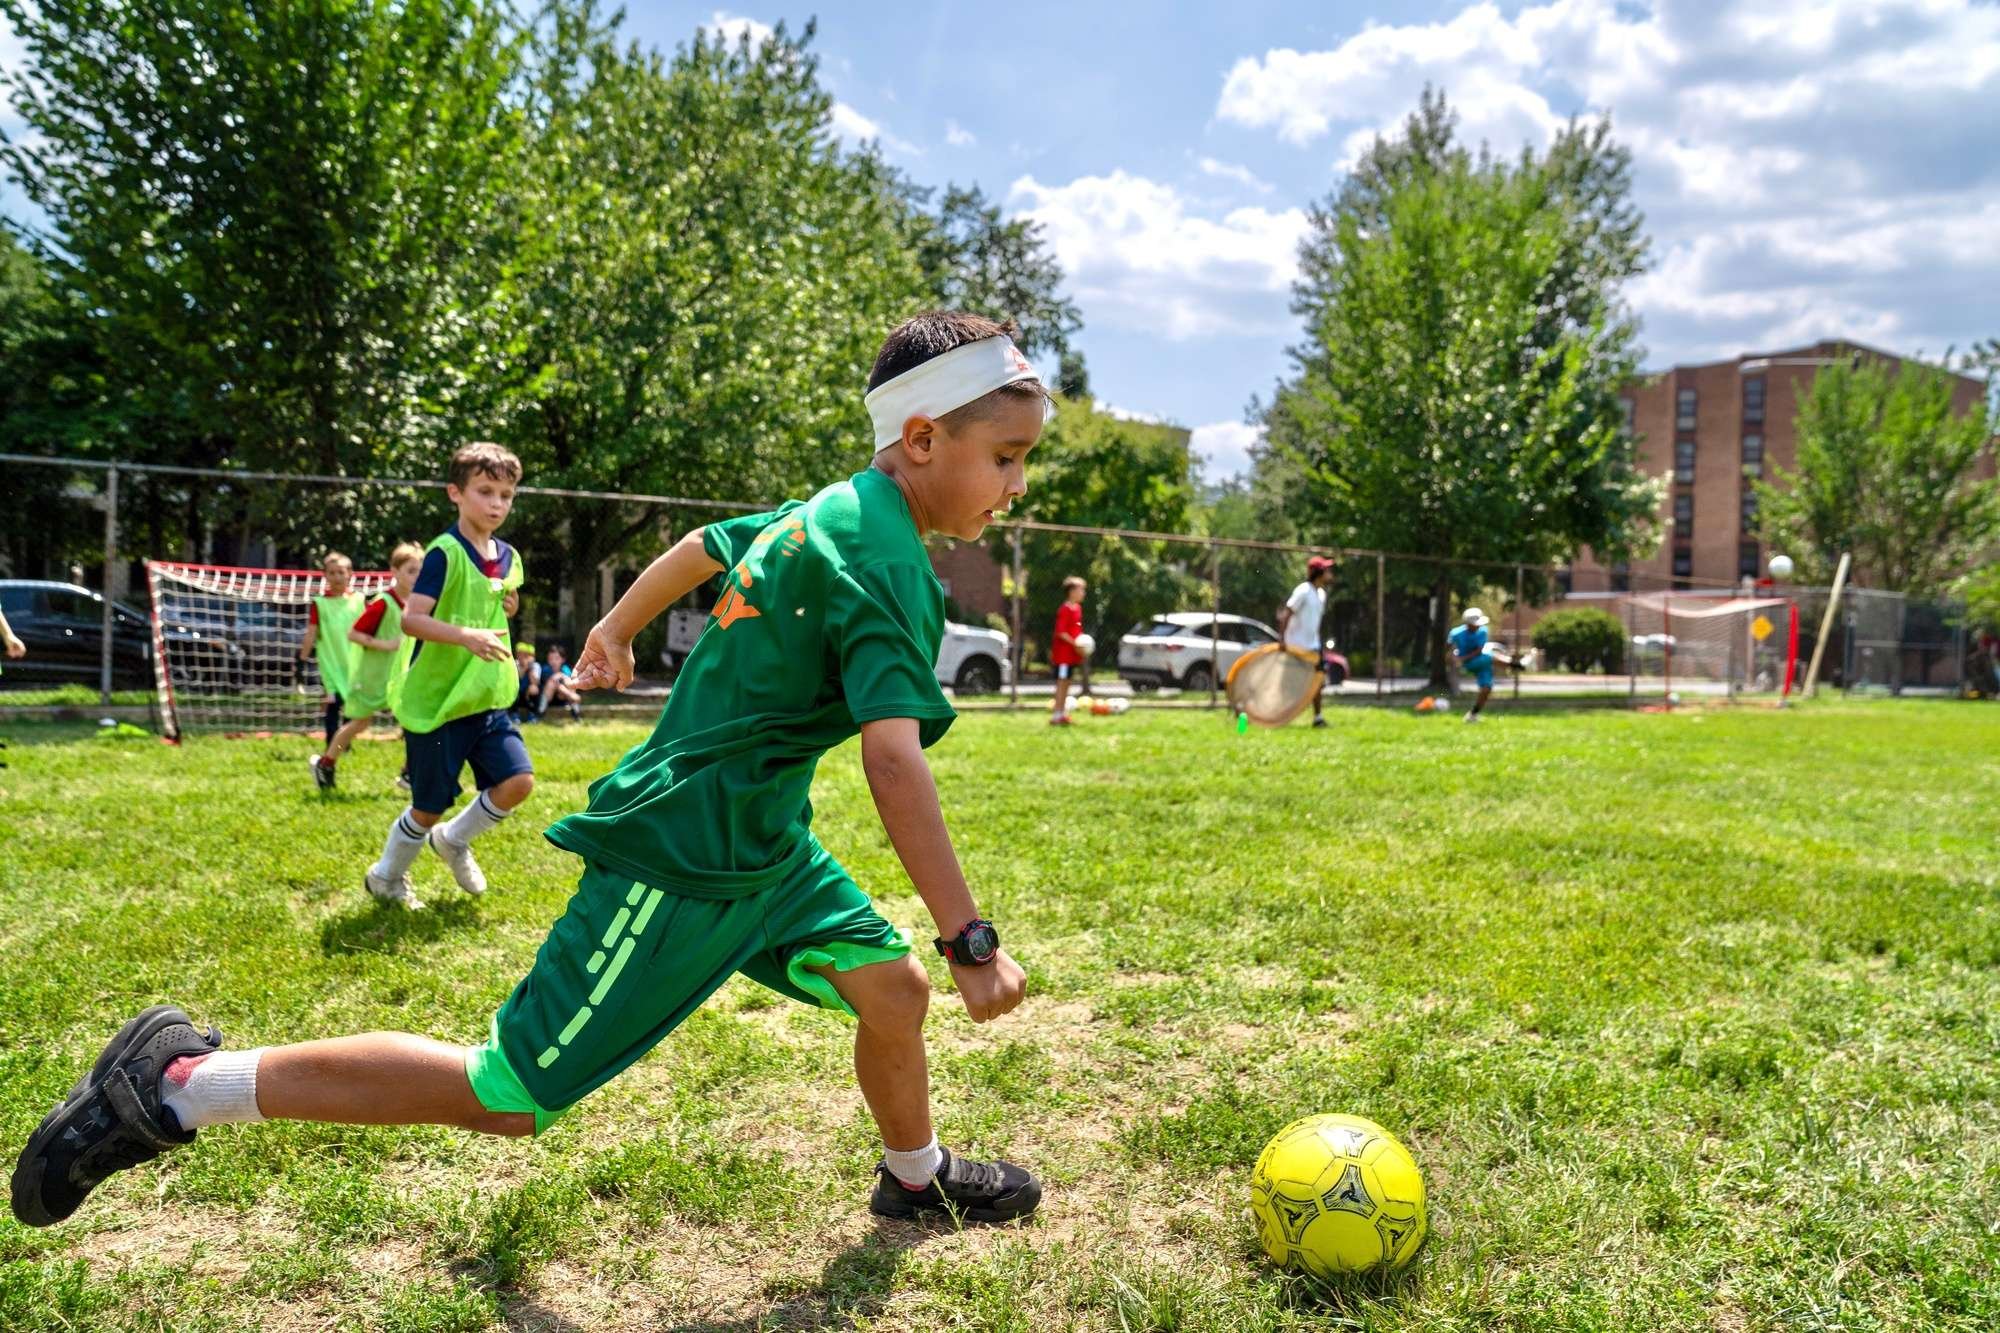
{"points": [[112, 1119], [963, 1189], [322, 771], [1319, 722]]}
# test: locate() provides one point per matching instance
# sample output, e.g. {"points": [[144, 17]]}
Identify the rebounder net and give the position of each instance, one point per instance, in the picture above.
{"points": [[1273, 684], [226, 646]]}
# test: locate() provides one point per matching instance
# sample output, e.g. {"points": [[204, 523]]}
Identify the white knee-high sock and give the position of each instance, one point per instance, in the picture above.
{"points": [[914, 1166], [218, 1089], [474, 820], [406, 839]]}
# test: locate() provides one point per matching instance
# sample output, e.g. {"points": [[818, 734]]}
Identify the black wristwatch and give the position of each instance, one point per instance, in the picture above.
{"points": [[974, 946]]}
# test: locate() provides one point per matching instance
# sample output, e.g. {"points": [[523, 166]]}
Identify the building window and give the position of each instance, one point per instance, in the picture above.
{"points": [[1565, 580], [1684, 513], [1749, 510], [1753, 455], [1684, 402], [1684, 461], [1621, 577], [1631, 415], [1683, 561], [1747, 560], [1753, 398]]}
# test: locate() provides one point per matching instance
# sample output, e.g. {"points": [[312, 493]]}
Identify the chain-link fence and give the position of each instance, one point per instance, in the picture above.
{"points": [[1170, 613]]}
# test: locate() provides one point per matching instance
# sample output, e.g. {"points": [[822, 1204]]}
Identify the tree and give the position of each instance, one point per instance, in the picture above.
{"points": [[1093, 469], [1456, 392], [258, 213], [1886, 470], [974, 259], [697, 279]]}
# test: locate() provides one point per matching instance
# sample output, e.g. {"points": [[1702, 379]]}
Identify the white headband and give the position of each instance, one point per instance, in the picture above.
{"points": [[969, 371]]}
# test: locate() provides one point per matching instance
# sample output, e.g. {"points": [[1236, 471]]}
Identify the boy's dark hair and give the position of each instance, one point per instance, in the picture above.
{"points": [[483, 458], [933, 333]]}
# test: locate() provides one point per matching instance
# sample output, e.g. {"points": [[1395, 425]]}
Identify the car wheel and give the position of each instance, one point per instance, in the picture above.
{"points": [[1197, 677], [978, 675], [1142, 684]]}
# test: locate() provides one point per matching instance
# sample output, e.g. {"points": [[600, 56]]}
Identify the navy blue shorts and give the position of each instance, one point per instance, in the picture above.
{"points": [[487, 741]]}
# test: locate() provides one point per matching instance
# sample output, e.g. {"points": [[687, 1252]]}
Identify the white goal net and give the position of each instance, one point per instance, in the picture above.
{"points": [[1711, 645], [226, 646]]}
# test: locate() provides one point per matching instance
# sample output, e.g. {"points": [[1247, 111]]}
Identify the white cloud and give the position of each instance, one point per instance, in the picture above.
{"points": [[1807, 169], [958, 136], [1132, 414], [1232, 171], [858, 129], [1224, 447], [734, 28], [1139, 256]]}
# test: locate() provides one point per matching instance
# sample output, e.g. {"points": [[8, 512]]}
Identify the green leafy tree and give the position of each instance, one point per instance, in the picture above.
{"points": [[258, 215], [1456, 392], [1582, 639], [1886, 469], [697, 282], [975, 259], [1095, 469]]}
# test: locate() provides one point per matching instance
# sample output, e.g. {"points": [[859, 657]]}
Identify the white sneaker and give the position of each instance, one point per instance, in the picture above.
{"points": [[401, 893], [463, 868], [1472, 717]]}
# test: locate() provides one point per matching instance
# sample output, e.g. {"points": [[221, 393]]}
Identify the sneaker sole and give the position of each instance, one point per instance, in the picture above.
{"points": [[909, 1212], [30, 1166]]}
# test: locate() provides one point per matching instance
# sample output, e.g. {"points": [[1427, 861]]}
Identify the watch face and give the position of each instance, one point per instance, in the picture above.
{"points": [[981, 942]]}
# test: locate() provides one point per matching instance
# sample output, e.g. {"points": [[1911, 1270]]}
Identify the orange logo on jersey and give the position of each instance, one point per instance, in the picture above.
{"points": [[734, 606]]}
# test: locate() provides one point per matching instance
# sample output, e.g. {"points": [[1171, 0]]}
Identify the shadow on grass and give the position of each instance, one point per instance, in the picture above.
{"points": [[380, 928]]}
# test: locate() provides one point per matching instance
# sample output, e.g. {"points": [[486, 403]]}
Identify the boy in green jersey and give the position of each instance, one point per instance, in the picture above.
{"points": [[456, 693], [384, 652], [330, 616], [699, 857]]}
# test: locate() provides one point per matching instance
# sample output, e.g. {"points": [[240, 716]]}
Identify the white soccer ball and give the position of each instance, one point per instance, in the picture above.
{"points": [[1085, 644], [1781, 566]]}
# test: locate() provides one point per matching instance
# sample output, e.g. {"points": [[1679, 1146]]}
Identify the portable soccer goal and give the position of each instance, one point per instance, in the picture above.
{"points": [[1718, 645], [226, 646]]}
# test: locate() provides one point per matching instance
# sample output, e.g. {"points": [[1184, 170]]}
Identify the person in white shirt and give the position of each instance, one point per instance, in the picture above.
{"points": [[1299, 617]]}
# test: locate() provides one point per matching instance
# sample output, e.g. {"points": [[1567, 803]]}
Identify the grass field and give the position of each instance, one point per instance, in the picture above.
{"points": [[1693, 1022]]}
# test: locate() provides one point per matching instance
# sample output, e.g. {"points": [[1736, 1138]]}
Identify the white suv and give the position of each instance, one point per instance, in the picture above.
{"points": [[973, 660], [1175, 649]]}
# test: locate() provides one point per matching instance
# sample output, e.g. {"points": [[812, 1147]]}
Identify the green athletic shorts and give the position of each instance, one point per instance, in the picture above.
{"points": [[627, 963]]}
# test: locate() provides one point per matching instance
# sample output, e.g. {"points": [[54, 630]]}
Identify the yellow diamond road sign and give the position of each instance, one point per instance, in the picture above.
{"points": [[1761, 628]]}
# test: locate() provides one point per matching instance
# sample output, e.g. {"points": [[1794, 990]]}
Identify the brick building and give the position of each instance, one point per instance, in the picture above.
{"points": [[1716, 428]]}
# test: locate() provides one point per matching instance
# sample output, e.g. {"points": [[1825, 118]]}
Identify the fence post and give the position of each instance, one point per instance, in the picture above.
{"points": [[1519, 583], [110, 564], [1381, 651], [1014, 679], [1215, 615]]}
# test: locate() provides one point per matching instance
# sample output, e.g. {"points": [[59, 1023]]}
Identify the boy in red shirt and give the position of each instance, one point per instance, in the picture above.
{"points": [[1063, 650]]}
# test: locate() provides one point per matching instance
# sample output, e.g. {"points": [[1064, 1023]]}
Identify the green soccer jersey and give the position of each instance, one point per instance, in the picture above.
{"points": [[830, 616]]}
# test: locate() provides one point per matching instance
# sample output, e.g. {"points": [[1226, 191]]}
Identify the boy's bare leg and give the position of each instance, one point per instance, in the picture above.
{"points": [[343, 739], [1062, 696], [507, 795], [917, 1175], [891, 999], [377, 1078]]}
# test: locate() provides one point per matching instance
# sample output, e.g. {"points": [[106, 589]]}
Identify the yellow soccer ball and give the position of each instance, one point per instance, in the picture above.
{"points": [[1337, 1194]]}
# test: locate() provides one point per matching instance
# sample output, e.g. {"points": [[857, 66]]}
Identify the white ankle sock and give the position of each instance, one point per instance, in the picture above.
{"points": [[218, 1089], [474, 820], [406, 839], [916, 1166]]}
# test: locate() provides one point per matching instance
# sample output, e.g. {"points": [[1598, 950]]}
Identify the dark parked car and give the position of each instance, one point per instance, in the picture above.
{"points": [[62, 625]]}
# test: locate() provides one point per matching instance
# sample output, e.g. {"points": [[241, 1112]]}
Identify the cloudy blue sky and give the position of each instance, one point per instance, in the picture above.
{"points": [[1808, 168]]}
